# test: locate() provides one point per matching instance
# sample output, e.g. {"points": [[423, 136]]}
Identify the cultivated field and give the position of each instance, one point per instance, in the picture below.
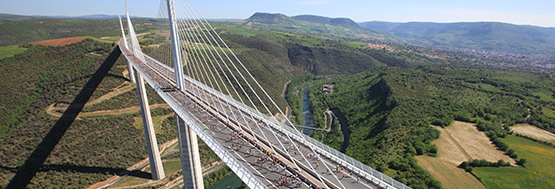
{"points": [[448, 173], [59, 42], [475, 143], [538, 173], [534, 132], [9, 51], [460, 142]]}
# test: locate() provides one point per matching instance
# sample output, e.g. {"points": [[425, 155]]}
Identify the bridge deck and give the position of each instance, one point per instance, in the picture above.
{"points": [[224, 123]]}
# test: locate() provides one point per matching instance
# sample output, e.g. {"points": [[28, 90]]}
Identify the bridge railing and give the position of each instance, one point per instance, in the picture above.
{"points": [[235, 165], [346, 161]]}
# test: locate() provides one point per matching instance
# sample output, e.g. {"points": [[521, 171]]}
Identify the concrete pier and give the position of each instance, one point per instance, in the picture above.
{"points": [[153, 153], [130, 72], [190, 157]]}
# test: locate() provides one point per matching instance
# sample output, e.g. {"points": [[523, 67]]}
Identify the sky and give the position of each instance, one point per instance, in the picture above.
{"points": [[521, 12]]}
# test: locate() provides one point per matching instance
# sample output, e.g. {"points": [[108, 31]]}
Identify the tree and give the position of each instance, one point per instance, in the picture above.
{"points": [[521, 162], [466, 166]]}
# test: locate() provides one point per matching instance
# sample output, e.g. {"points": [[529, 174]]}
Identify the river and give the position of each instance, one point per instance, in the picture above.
{"points": [[308, 119], [230, 181]]}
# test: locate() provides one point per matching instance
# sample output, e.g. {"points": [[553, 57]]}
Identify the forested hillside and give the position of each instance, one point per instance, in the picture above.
{"points": [[289, 55], [46, 151], [388, 111], [325, 56], [26, 77]]}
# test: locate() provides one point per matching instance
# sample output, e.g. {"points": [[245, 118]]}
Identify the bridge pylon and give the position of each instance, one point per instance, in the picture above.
{"points": [[156, 168], [188, 144], [176, 47], [129, 66]]}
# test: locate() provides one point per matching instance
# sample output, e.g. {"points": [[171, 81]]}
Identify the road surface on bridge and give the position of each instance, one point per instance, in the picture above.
{"points": [[213, 113]]}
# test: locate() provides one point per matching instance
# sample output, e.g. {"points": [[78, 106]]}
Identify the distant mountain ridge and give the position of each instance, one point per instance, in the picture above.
{"points": [[345, 22], [549, 31], [271, 19], [311, 24], [17, 17], [380, 25], [488, 36]]}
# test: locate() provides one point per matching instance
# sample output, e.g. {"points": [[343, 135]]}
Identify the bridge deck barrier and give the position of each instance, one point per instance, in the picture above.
{"points": [[235, 165], [350, 163]]}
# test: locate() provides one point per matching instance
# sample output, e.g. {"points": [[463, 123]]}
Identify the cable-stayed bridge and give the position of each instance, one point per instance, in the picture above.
{"points": [[216, 98]]}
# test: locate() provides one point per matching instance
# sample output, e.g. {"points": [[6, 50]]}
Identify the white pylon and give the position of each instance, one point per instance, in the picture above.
{"points": [[176, 47], [130, 70], [135, 46]]}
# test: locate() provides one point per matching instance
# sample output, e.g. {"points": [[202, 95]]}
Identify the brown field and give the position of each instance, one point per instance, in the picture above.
{"points": [[59, 42], [164, 33], [475, 143], [534, 132], [448, 174], [460, 142]]}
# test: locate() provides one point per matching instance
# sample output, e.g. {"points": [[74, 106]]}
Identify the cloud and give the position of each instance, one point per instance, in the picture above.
{"points": [[316, 2]]}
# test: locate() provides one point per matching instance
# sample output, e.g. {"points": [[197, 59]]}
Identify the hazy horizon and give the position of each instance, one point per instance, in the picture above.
{"points": [[533, 12], [133, 16]]}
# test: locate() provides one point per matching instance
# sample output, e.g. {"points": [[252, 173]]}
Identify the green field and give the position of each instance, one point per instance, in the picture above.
{"points": [[538, 173], [239, 31], [243, 32], [9, 51], [486, 87]]}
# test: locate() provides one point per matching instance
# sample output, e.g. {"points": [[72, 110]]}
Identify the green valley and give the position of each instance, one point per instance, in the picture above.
{"points": [[388, 102], [388, 111]]}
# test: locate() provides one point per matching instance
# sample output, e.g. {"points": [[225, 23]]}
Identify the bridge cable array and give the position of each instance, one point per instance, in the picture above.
{"points": [[210, 61], [202, 48]]}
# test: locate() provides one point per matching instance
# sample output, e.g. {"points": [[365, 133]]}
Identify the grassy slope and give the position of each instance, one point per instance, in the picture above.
{"points": [[9, 51], [538, 173]]}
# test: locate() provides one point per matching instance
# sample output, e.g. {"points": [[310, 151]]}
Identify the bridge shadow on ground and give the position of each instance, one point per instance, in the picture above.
{"points": [[85, 169], [118, 76], [35, 162]]}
